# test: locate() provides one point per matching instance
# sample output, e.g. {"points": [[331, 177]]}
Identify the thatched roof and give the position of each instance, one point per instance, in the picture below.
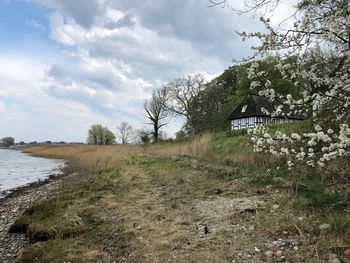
{"points": [[252, 106]]}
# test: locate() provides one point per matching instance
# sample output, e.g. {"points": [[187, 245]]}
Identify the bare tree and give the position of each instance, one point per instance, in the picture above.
{"points": [[184, 95], [125, 131], [156, 111], [250, 6]]}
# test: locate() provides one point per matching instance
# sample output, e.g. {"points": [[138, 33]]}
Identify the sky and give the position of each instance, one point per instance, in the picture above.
{"points": [[65, 65]]}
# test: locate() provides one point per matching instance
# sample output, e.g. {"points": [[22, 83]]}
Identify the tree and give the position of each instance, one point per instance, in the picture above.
{"points": [[8, 141], [320, 39], [100, 135], [125, 132], [143, 136], [181, 135], [156, 111], [184, 99]]}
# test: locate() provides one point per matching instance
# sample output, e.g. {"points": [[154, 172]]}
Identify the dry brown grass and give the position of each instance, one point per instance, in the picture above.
{"points": [[87, 157], [197, 148], [92, 157], [161, 205]]}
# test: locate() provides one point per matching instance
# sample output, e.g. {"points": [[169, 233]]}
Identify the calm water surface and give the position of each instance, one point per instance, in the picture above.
{"points": [[18, 169]]}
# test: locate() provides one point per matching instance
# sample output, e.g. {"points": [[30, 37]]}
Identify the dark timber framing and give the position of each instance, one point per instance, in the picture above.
{"points": [[249, 113]]}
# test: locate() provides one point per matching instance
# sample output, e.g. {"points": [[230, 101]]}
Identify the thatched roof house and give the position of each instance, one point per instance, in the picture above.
{"points": [[255, 110]]}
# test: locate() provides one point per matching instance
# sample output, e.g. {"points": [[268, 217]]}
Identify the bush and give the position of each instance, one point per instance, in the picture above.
{"points": [[7, 141], [100, 135]]}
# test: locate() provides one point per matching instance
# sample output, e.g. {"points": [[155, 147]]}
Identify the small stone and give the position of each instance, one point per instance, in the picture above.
{"points": [[269, 253], [300, 218], [286, 242], [275, 207], [285, 232], [325, 226], [295, 248], [332, 257], [256, 249], [217, 191], [251, 228], [334, 260], [279, 253]]}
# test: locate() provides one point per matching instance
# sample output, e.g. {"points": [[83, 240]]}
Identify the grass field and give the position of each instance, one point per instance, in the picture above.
{"points": [[209, 199]]}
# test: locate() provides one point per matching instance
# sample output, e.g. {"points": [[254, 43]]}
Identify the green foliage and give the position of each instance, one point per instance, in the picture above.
{"points": [[7, 141], [320, 200], [181, 135], [214, 104], [100, 135], [340, 225]]}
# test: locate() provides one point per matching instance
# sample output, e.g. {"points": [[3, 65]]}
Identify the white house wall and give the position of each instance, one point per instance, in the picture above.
{"points": [[244, 123]]}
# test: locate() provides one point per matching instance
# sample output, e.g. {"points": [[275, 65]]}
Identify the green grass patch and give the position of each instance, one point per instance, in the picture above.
{"points": [[320, 200]]}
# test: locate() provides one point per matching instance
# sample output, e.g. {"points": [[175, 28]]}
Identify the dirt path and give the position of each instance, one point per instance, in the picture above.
{"points": [[177, 214]]}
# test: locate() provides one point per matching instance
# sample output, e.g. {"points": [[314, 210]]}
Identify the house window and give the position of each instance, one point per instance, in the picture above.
{"points": [[244, 108]]}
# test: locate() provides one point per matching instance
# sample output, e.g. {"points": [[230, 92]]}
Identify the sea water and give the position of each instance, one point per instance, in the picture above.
{"points": [[19, 169]]}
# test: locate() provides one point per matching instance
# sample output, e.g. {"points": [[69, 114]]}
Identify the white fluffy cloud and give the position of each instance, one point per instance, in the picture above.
{"points": [[28, 112], [113, 53]]}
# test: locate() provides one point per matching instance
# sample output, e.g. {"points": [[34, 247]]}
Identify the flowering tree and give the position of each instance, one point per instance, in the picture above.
{"points": [[320, 39]]}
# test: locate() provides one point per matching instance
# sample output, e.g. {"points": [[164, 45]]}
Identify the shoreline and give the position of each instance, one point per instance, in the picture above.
{"points": [[13, 192], [15, 202], [52, 174]]}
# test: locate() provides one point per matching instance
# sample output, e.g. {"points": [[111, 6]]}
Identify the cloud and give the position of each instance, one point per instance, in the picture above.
{"points": [[2, 107], [111, 55], [84, 12], [64, 32], [29, 112]]}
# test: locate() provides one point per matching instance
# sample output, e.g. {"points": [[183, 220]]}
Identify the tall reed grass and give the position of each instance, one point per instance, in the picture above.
{"points": [[92, 157]]}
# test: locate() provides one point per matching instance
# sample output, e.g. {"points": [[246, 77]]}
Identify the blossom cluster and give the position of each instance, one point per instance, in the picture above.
{"points": [[320, 42], [315, 148]]}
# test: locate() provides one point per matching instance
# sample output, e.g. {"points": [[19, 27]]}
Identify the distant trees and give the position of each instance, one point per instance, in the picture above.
{"points": [[100, 135], [125, 131], [7, 141], [156, 111]]}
